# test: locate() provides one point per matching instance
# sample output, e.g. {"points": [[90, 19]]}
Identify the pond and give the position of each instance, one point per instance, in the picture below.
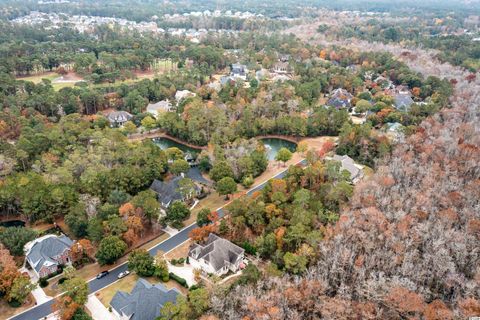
{"points": [[12, 223], [272, 145], [165, 143]]}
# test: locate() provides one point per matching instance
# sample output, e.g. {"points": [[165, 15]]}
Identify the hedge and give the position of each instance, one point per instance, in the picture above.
{"points": [[180, 280]]}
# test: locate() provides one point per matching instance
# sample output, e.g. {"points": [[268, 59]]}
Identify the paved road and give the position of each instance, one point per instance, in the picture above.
{"points": [[42, 310]]}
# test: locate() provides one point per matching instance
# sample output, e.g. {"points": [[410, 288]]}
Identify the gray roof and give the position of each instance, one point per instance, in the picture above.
{"points": [[144, 302], [340, 98], [403, 101], [217, 252], [119, 116], [167, 192], [348, 164], [43, 250], [239, 69]]}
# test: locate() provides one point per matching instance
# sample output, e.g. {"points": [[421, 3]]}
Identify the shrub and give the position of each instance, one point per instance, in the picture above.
{"points": [[61, 280], [249, 248], [43, 282], [180, 280], [181, 261], [14, 304]]}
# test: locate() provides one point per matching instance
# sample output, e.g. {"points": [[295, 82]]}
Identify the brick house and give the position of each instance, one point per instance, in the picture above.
{"points": [[46, 253]]}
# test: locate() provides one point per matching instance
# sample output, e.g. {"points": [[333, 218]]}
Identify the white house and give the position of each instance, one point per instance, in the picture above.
{"points": [[217, 256], [160, 107]]}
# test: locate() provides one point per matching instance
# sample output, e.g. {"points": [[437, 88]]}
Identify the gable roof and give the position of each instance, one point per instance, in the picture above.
{"points": [[216, 252], [340, 98], [119, 116], [403, 101], [167, 191], [144, 302], [349, 165], [42, 251]]}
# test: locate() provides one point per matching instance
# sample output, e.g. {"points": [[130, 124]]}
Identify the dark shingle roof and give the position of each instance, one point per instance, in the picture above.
{"points": [[167, 192], [144, 302], [44, 249], [216, 251]]}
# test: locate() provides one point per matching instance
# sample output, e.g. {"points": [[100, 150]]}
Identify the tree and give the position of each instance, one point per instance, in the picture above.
{"points": [[110, 249], [21, 288], [161, 269], [149, 123], [114, 225], [8, 271], [186, 187], [179, 166], [174, 153], [283, 155], [15, 238], [294, 263], [82, 249], [77, 289], [202, 217], [129, 127], [65, 307], [221, 169], [226, 186], [148, 203], [362, 106], [141, 262], [176, 213], [199, 301]]}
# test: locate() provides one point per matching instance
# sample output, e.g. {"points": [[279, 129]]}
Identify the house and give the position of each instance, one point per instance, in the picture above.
{"points": [[239, 71], [168, 191], [183, 94], [403, 101], [157, 108], [216, 256], [340, 98], [119, 118], [46, 253], [395, 131], [281, 68], [348, 164], [144, 302]]}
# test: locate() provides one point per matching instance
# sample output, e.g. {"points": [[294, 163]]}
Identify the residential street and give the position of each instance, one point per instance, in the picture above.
{"points": [[42, 310]]}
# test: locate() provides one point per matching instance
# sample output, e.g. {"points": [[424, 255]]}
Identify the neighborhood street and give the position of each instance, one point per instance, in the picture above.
{"points": [[44, 309]]}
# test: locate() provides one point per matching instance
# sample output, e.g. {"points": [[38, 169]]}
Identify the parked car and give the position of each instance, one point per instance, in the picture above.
{"points": [[123, 274], [102, 274]]}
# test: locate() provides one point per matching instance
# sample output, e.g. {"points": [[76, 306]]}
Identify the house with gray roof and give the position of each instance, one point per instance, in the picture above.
{"points": [[118, 118], [216, 256], [157, 108], [340, 99], [47, 253], [239, 71], [144, 302], [403, 101], [349, 165], [168, 191]]}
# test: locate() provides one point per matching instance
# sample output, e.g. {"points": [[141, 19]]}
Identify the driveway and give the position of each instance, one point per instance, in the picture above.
{"points": [[97, 309], [40, 295], [185, 271]]}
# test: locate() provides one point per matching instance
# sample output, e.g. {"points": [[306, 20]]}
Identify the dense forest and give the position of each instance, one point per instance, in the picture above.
{"points": [[392, 89]]}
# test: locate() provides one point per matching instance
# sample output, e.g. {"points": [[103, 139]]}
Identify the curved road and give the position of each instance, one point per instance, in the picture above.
{"points": [[44, 309]]}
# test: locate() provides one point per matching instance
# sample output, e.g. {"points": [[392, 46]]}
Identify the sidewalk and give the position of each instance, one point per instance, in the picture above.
{"points": [[40, 295], [97, 309]]}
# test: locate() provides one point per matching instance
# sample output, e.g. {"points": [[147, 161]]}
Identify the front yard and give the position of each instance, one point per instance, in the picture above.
{"points": [[126, 284], [6, 311]]}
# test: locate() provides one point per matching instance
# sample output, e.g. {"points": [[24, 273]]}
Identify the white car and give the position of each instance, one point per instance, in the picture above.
{"points": [[123, 274]]}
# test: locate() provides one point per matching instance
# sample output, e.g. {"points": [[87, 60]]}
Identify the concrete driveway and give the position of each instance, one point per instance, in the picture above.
{"points": [[97, 309]]}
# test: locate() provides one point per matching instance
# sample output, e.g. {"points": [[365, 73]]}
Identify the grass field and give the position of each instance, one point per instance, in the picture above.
{"points": [[38, 78]]}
